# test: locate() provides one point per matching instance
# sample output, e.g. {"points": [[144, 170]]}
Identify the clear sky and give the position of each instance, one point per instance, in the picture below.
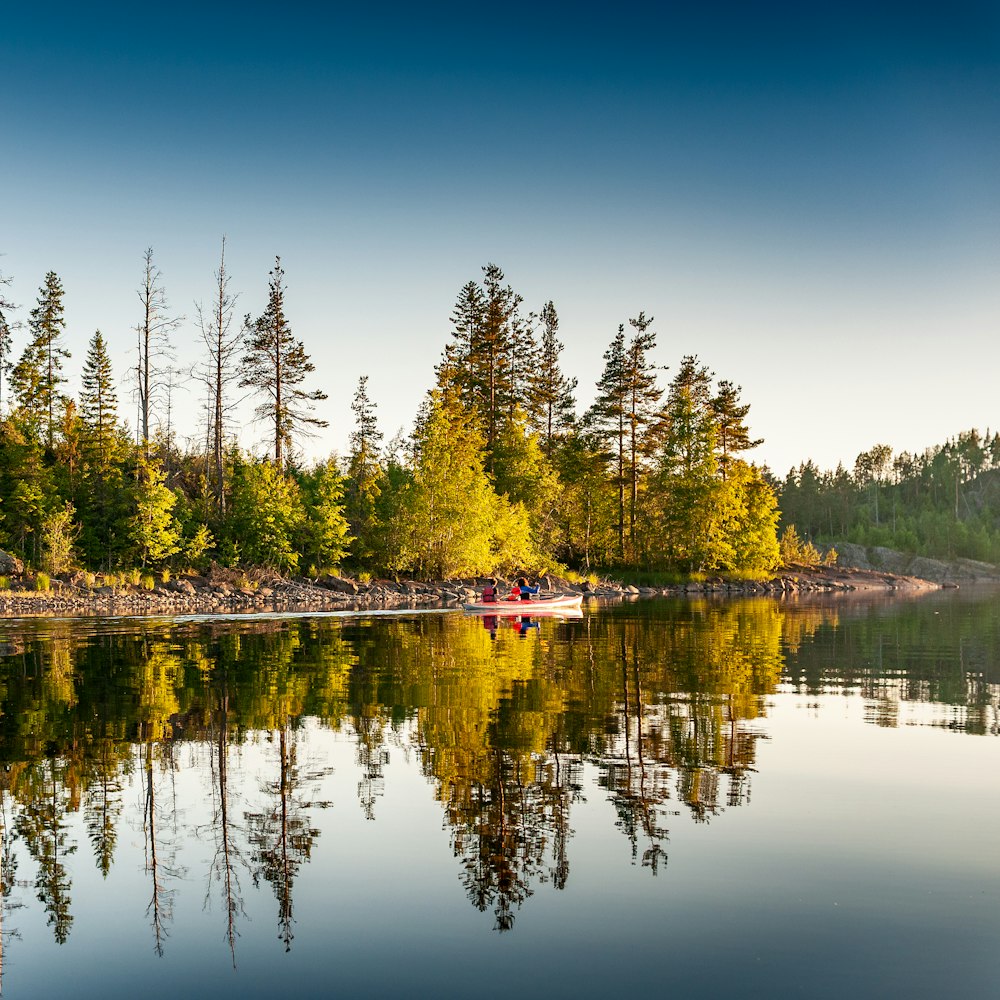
{"points": [[807, 196]]}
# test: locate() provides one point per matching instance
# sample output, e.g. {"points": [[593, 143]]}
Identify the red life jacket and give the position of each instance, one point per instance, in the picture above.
{"points": [[489, 595]]}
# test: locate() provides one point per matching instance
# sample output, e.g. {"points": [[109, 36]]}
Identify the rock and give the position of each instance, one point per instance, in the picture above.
{"points": [[10, 565], [339, 584]]}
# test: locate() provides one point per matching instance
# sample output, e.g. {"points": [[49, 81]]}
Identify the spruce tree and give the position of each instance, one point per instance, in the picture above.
{"points": [[364, 472], [37, 376], [99, 405], [275, 365], [102, 502]]}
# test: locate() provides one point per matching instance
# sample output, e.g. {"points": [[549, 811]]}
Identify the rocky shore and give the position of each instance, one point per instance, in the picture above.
{"points": [[228, 592]]}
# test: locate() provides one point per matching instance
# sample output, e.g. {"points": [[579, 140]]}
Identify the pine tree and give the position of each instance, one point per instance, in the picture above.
{"points": [[37, 376], [643, 397], [554, 392], [623, 415], [275, 366], [608, 417], [730, 419], [490, 364]]}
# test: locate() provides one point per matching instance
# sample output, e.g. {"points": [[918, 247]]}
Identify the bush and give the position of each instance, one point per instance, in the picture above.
{"points": [[147, 581], [795, 550], [43, 582], [4, 583]]}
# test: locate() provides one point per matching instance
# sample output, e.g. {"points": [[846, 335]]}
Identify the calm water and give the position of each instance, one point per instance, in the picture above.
{"points": [[737, 799]]}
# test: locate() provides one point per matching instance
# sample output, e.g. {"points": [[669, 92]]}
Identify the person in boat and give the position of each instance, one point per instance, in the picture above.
{"points": [[522, 590], [490, 591]]}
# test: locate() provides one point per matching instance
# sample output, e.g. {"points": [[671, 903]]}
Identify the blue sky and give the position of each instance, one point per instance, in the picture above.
{"points": [[807, 198]]}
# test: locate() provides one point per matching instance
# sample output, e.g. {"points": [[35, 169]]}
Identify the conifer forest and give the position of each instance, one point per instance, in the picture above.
{"points": [[503, 470]]}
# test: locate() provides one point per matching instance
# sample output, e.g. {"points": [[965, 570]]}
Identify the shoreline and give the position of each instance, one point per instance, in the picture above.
{"points": [[192, 595]]}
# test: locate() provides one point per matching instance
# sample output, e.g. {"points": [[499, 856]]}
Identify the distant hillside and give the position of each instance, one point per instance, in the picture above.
{"points": [[942, 505]]}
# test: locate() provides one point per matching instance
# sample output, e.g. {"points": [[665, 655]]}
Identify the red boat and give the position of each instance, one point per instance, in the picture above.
{"points": [[564, 602]]}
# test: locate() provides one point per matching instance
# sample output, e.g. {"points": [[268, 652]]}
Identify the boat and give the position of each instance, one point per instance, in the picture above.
{"points": [[559, 602]]}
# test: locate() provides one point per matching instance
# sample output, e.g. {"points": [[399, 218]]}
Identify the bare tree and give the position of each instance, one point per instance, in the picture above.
{"points": [[220, 370], [155, 352], [6, 328]]}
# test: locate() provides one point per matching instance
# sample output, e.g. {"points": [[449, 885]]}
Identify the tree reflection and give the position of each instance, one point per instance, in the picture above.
{"points": [[662, 702], [41, 823], [227, 860], [281, 837]]}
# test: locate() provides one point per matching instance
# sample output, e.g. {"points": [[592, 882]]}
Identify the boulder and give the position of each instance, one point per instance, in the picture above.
{"points": [[10, 565], [339, 584]]}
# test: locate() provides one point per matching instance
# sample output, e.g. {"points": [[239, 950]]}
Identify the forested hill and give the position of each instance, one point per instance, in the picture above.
{"points": [[501, 472], [943, 503]]}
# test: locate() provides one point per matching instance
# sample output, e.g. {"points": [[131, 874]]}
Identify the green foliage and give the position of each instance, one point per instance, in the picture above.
{"points": [[4, 583], [523, 475], [59, 533], [498, 475], [796, 551], [364, 476], [42, 581], [152, 529], [447, 511], [267, 515], [37, 376], [326, 536], [198, 546]]}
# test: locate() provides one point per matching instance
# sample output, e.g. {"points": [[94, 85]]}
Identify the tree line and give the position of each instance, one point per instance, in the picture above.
{"points": [[941, 503], [500, 472]]}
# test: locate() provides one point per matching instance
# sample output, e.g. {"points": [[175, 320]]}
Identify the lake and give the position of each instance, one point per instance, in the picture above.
{"points": [[737, 798]]}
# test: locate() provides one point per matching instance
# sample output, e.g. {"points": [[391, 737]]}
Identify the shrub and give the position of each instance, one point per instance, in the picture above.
{"points": [[795, 550], [147, 581], [4, 583], [42, 582], [165, 576]]}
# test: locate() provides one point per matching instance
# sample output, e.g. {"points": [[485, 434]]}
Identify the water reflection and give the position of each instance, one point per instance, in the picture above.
{"points": [[666, 700]]}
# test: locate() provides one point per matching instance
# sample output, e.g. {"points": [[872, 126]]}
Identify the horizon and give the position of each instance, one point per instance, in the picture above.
{"points": [[808, 201]]}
